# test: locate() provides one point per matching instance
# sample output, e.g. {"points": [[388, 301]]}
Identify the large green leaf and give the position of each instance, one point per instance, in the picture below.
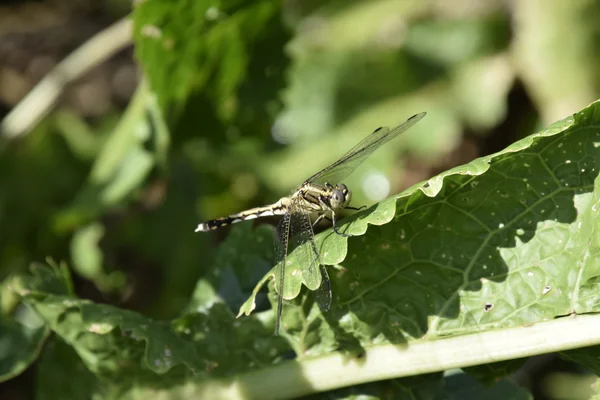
{"points": [[124, 347], [89, 329], [505, 240]]}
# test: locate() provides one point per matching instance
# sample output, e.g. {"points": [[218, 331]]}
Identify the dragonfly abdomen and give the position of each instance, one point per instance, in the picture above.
{"points": [[273, 209]]}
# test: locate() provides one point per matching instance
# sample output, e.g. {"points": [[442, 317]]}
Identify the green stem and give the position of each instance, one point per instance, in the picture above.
{"points": [[328, 372]]}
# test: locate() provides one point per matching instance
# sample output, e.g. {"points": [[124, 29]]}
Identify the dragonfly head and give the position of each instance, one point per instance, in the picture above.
{"points": [[340, 196]]}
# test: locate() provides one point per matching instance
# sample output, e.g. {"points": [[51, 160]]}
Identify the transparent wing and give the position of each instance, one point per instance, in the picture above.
{"points": [[308, 260], [295, 236], [343, 167], [315, 270], [281, 248], [323, 293]]}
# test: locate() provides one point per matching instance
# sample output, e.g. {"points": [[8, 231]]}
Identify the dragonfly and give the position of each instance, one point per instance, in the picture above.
{"points": [[322, 195]]}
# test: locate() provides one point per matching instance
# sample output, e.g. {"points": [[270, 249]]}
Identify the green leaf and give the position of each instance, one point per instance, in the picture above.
{"points": [[21, 338], [461, 386], [90, 328], [455, 41], [71, 381], [491, 75], [554, 52], [81, 139], [505, 240], [245, 256], [23, 333], [490, 373], [123, 164], [113, 342], [88, 258], [589, 357], [189, 45]]}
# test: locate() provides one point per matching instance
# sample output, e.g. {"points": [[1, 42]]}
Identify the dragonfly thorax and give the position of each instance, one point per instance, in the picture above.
{"points": [[340, 196]]}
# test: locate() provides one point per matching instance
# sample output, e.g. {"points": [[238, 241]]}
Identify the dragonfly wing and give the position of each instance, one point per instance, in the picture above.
{"points": [[323, 293], [305, 253], [317, 270], [281, 249], [304, 256], [343, 167]]}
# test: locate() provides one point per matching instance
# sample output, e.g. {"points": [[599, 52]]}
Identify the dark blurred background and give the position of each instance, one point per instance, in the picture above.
{"points": [[116, 189]]}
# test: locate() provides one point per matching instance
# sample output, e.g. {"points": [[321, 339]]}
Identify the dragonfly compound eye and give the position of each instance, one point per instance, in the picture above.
{"points": [[338, 198]]}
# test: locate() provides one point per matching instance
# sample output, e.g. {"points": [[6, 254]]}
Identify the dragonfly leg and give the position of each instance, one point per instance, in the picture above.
{"points": [[319, 219], [355, 208], [335, 228]]}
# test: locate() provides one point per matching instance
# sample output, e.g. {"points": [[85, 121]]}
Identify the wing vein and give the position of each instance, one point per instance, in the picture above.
{"points": [[355, 156]]}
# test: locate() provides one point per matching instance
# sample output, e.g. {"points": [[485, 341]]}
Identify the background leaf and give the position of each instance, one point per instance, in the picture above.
{"points": [[213, 37]]}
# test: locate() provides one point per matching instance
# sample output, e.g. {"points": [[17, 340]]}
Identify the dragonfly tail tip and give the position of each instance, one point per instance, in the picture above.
{"points": [[201, 227]]}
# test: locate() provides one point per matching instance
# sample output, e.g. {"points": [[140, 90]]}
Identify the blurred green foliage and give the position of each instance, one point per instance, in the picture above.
{"points": [[240, 101]]}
